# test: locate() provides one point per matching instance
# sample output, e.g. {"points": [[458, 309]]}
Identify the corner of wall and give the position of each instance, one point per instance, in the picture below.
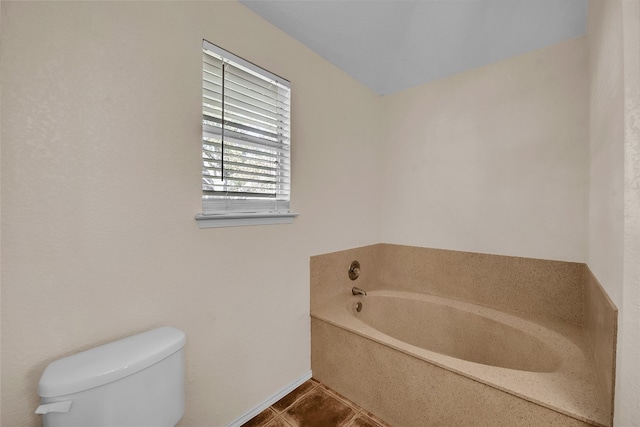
{"points": [[601, 330]]}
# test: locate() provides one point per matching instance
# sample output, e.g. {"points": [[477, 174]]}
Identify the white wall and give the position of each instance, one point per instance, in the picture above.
{"points": [[614, 184], [101, 181], [493, 159]]}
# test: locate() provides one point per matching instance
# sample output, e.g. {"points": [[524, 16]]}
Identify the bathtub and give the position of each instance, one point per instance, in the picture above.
{"points": [[419, 360]]}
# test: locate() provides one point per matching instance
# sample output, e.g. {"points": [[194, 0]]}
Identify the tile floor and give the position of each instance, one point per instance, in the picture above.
{"points": [[314, 405]]}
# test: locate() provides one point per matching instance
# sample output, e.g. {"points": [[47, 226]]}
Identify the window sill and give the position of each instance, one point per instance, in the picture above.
{"points": [[244, 219]]}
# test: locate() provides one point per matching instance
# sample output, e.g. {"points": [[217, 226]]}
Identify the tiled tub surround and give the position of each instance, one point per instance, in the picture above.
{"points": [[566, 390]]}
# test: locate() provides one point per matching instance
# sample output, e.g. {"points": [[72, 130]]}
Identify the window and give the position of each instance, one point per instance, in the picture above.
{"points": [[246, 162]]}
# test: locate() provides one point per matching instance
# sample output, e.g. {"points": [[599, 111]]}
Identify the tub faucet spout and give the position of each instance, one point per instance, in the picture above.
{"points": [[358, 291]]}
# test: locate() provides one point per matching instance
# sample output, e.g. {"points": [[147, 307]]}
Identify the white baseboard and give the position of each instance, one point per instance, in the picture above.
{"points": [[270, 401]]}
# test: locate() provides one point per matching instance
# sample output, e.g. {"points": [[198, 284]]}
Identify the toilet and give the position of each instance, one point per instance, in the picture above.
{"points": [[137, 381]]}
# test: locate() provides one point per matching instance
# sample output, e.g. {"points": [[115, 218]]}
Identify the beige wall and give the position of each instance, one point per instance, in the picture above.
{"points": [[629, 375], [0, 228], [101, 173], [614, 182], [492, 160], [606, 148], [101, 182]]}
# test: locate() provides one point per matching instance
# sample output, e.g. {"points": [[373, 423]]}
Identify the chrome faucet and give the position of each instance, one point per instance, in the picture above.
{"points": [[358, 291]]}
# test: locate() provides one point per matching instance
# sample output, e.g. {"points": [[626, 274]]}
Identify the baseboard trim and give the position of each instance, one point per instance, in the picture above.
{"points": [[270, 401]]}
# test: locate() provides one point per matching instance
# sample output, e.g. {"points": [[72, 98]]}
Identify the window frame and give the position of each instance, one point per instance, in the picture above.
{"points": [[220, 210]]}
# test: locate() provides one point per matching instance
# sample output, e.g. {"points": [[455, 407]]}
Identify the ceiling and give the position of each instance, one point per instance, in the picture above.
{"points": [[396, 44]]}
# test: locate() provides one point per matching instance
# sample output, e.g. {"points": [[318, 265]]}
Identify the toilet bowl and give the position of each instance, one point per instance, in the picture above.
{"points": [[137, 381]]}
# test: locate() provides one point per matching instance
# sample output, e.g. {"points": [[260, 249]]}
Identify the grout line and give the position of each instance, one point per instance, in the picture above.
{"points": [[351, 420], [357, 410], [322, 388], [239, 422], [368, 415], [313, 386], [341, 398], [375, 419], [284, 420]]}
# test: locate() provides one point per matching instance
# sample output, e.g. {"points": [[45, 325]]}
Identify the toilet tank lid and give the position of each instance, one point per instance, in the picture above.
{"points": [[109, 362]]}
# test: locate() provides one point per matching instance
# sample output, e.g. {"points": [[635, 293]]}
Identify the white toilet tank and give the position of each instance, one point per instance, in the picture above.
{"points": [[137, 381]]}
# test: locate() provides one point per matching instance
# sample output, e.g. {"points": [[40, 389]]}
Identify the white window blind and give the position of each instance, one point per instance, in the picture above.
{"points": [[246, 162]]}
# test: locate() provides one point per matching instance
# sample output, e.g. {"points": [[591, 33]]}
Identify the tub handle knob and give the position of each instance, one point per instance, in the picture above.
{"points": [[62, 407], [354, 270], [358, 306]]}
